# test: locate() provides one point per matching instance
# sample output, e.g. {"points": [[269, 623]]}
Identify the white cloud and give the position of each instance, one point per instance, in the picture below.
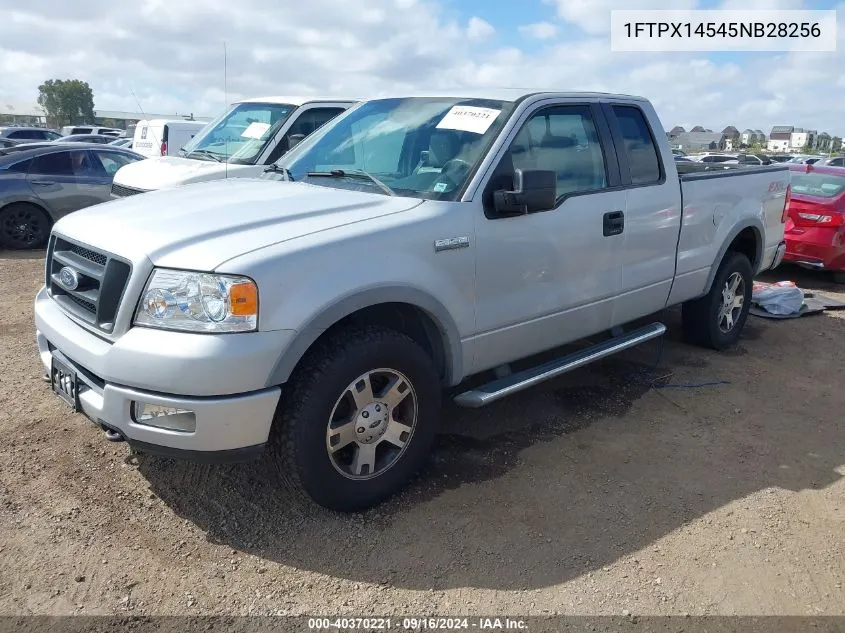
{"points": [[539, 30], [171, 57], [593, 16], [479, 30]]}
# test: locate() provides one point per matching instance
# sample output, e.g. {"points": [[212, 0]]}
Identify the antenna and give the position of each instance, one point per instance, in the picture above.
{"points": [[225, 106], [143, 114]]}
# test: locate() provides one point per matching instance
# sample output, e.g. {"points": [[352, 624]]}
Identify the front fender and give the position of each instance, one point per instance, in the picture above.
{"points": [[367, 297]]}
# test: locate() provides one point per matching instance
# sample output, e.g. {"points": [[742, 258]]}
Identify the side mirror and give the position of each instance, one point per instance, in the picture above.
{"points": [[534, 190], [294, 140]]}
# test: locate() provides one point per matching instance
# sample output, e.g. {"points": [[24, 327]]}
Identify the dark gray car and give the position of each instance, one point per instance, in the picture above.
{"points": [[40, 185]]}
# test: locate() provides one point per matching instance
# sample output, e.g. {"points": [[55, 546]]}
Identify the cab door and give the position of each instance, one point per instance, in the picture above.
{"points": [[548, 278]]}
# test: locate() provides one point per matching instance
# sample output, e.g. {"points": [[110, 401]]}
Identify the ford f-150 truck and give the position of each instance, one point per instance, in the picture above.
{"points": [[318, 312], [241, 142]]}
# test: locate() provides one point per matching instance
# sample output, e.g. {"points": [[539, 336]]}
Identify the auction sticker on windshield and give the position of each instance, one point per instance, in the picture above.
{"points": [[468, 119], [255, 130]]}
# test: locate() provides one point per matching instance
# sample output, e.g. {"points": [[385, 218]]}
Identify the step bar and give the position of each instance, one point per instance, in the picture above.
{"points": [[507, 385]]}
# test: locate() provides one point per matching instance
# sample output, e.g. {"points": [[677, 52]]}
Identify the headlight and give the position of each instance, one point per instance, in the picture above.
{"points": [[198, 302]]}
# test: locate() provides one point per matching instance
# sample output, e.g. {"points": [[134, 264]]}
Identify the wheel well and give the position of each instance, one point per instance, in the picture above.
{"points": [[408, 319], [747, 243], [31, 204]]}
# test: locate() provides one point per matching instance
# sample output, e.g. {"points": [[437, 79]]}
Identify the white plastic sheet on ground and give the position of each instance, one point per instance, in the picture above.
{"points": [[782, 297]]}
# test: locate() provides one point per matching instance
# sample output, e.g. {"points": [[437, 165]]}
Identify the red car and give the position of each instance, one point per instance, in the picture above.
{"points": [[815, 225]]}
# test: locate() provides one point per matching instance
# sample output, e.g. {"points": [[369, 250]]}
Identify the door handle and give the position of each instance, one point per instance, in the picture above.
{"points": [[613, 223], [42, 182]]}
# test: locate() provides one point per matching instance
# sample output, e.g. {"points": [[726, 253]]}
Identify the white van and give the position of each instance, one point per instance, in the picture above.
{"points": [[241, 142], [164, 137], [68, 130]]}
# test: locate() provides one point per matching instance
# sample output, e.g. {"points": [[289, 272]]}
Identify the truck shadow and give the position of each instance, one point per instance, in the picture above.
{"points": [[552, 483]]}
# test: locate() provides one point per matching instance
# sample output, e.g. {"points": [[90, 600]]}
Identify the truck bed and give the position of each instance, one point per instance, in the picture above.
{"points": [[715, 198]]}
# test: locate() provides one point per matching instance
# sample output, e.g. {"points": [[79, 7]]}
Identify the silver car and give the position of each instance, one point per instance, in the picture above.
{"points": [[40, 185]]}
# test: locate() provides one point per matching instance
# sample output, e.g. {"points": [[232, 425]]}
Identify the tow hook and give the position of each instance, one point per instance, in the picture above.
{"points": [[112, 435]]}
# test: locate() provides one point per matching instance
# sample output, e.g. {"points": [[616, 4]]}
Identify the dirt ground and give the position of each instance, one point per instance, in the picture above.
{"points": [[592, 494]]}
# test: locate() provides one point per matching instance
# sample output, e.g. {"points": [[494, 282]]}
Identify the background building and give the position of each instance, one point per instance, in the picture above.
{"points": [[24, 114]]}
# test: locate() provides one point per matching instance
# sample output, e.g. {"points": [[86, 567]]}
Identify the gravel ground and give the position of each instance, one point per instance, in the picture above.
{"points": [[592, 494]]}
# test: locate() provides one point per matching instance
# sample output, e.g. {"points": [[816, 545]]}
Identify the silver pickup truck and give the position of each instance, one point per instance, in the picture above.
{"points": [[317, 312]]}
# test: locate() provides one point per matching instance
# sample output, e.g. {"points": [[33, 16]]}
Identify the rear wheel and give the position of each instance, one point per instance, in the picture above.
{"points": [[716, 319], [357, 418], [23, 226]]}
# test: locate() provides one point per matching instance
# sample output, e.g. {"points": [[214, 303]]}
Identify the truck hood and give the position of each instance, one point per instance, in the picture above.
{"points": [[203, 225], [171, 171]]}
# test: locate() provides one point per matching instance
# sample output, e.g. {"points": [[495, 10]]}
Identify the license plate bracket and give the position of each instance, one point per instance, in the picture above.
{"points": [[65, 383]]}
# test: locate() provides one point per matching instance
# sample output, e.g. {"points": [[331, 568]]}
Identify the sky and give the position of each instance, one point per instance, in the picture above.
{"points": [[167, 57]]}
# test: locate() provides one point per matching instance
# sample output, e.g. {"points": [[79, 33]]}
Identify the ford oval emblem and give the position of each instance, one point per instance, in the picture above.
{"points": [[69, 278]]}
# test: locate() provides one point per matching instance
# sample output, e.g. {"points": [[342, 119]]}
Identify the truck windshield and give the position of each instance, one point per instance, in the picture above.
{"points": [[417, 147], [240, 134]]}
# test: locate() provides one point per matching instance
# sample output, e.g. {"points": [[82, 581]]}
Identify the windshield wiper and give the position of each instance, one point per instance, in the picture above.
{"points": [[273, 167], [352, 173], [205, 152]]}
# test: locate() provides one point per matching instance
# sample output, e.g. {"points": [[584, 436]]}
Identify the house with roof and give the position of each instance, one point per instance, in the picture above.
{"points": [[675, 131], [751, 137], [698, 141], [780, 138]]}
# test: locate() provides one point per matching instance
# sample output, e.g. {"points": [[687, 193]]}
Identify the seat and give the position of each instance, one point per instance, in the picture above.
{"points": [[442, 147]]}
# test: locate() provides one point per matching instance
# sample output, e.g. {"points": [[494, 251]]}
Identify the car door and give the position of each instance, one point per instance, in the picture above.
{"points": [[547, 278], [67, 180], [652, 216], [110, 162]]}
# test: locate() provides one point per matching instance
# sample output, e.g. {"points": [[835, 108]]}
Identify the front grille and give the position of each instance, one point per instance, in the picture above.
{"points": [[91, 256], [121, 191], [101, 280]]}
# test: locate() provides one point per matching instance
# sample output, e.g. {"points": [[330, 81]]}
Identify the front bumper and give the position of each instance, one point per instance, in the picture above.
{"points": [[222, 379]]}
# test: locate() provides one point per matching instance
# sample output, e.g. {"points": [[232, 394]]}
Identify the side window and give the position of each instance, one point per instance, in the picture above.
{"points": [[562, 139], [112, 161], [643, 157], [20, 168], [55, 164]]}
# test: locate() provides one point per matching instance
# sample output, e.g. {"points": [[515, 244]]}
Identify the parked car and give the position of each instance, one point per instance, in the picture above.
{"points": [[835, 161], [753, 159], [19, 134], [781, 158], [41, 185], [409, 244], [241, 142], [683, 159], [163, 137], [804, 159], [73, 130], [815, 229], [122, 142], [86, 138], [717, 158]]}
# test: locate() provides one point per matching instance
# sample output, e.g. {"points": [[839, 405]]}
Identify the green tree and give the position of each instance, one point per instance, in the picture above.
{"points": [[66, 101]]}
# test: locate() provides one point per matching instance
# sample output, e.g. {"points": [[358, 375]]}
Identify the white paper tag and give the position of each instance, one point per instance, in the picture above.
{"points": [[468, 119], [255, 130], [440, 187]]}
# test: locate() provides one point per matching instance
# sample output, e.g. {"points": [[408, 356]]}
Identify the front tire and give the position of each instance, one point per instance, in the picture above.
{"points": [[23, 226], [716, 319], [357, 418]]}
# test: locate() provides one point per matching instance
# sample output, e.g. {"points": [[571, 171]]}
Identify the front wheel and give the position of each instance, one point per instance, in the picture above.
{"points": [[716, 319], [358, 417], [23, 226]]}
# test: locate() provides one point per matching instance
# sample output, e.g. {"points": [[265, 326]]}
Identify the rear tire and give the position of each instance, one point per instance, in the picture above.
{"points": [[357, 418], [716, 319], [23, 226]]}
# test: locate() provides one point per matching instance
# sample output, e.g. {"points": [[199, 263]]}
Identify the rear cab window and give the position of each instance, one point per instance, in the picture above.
{"points": [[639, 146]]}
